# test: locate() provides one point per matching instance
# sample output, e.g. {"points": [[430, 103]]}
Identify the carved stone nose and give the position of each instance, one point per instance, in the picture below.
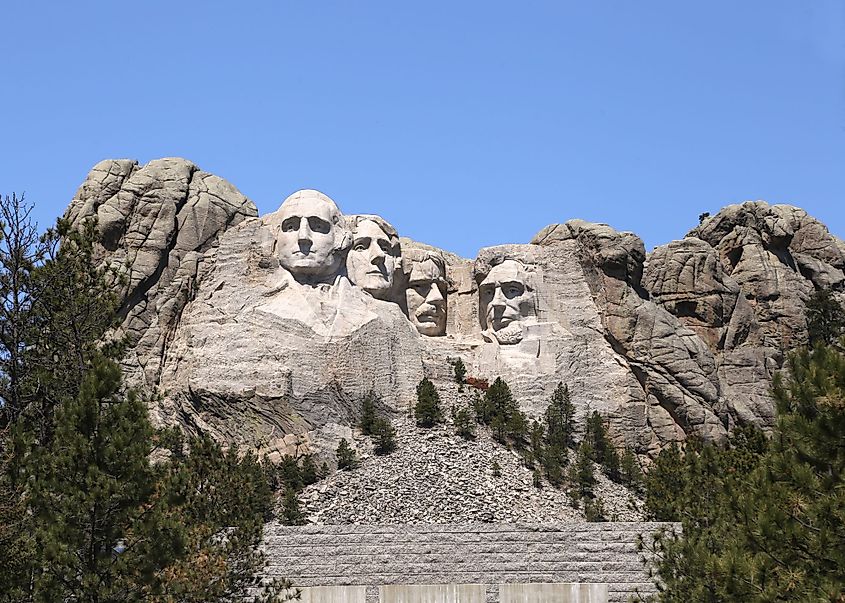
{"points": [[304, 231], [434, 296]]}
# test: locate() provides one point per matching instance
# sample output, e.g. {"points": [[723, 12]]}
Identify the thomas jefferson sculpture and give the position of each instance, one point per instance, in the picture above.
{"points": [[375, 257]]}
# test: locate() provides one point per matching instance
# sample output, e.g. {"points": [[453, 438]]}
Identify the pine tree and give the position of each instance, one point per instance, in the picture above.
{"points": [[602, 448], [308, 470], [665, 484], [368, 413], [460, 372], [346, 457], [89, 518], [499, 410], [582, 478], [102, 531], [554, 461], [220, 501], [495, 469], [776, 530], [427, 409], [385, 436], [517, 428], [536, 438], [825, 318], [291, 514], [21, 250], [464, 425], [631, 473], [560, 419], [287, 474]]}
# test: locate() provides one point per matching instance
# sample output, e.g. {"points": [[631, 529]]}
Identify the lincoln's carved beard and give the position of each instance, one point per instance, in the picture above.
{"points": [[508, 335]]}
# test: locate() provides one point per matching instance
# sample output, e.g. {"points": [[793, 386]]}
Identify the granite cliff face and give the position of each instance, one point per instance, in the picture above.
{"points": [[268, 330]]}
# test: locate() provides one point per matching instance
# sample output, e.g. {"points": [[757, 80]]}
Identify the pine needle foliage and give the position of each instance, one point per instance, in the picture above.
{"points": [[346, 457], [427, 409], [762, 520], [498, 409], [825, 318], [369, 413], [84, 514], [384, 436]]}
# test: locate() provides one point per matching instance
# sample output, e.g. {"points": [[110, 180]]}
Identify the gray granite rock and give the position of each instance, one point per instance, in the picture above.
{"points": [[268, 331], [158, 223]]}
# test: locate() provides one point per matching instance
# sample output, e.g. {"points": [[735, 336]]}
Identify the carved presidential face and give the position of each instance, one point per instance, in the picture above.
{"points": [[372, 259], [426, 296], [311, 237], [506, 297]]}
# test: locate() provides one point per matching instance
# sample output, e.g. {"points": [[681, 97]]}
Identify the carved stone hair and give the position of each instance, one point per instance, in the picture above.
{"points": [[353, 221], [490, 257], [416, 255]]}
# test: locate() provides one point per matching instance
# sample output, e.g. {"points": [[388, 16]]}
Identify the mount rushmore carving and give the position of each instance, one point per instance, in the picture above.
{"points": [[269, 330]]}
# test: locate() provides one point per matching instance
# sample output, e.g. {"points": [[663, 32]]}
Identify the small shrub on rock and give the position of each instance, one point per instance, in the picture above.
{"points": [[460, 372], [291, 515], [385, 436], [427, 409], [368, 413], [346, 457], [464, 425]]}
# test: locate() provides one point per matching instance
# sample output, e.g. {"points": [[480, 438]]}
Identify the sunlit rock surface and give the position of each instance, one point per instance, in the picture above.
{"points": [[268, 331]]}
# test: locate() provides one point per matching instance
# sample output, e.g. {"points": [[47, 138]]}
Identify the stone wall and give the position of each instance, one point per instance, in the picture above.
{"points": [[446, 563]]}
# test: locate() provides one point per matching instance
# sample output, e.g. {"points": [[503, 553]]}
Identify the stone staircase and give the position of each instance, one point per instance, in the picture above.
{"points": [[599, 557]]}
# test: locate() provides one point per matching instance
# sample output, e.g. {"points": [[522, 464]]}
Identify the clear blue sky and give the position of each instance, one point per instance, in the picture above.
{"points": [[464, 123]]}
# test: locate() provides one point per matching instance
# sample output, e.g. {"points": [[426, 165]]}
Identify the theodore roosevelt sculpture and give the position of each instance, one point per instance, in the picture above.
{"points": [[426, 292]]}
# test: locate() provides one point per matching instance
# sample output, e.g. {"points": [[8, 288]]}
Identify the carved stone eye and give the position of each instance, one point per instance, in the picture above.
{"points": [[319, 225], [290, 224]]}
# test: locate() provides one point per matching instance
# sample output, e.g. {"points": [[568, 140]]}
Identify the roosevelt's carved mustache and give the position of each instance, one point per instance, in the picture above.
{"points": [[432, 313]]}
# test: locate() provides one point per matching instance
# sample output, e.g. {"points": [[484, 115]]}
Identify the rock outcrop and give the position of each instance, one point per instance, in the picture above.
{"points": [[269, 330], [159, 224]]}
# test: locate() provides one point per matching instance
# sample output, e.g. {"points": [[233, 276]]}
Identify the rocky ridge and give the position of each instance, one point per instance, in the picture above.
{"points": [[670, 344]]}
